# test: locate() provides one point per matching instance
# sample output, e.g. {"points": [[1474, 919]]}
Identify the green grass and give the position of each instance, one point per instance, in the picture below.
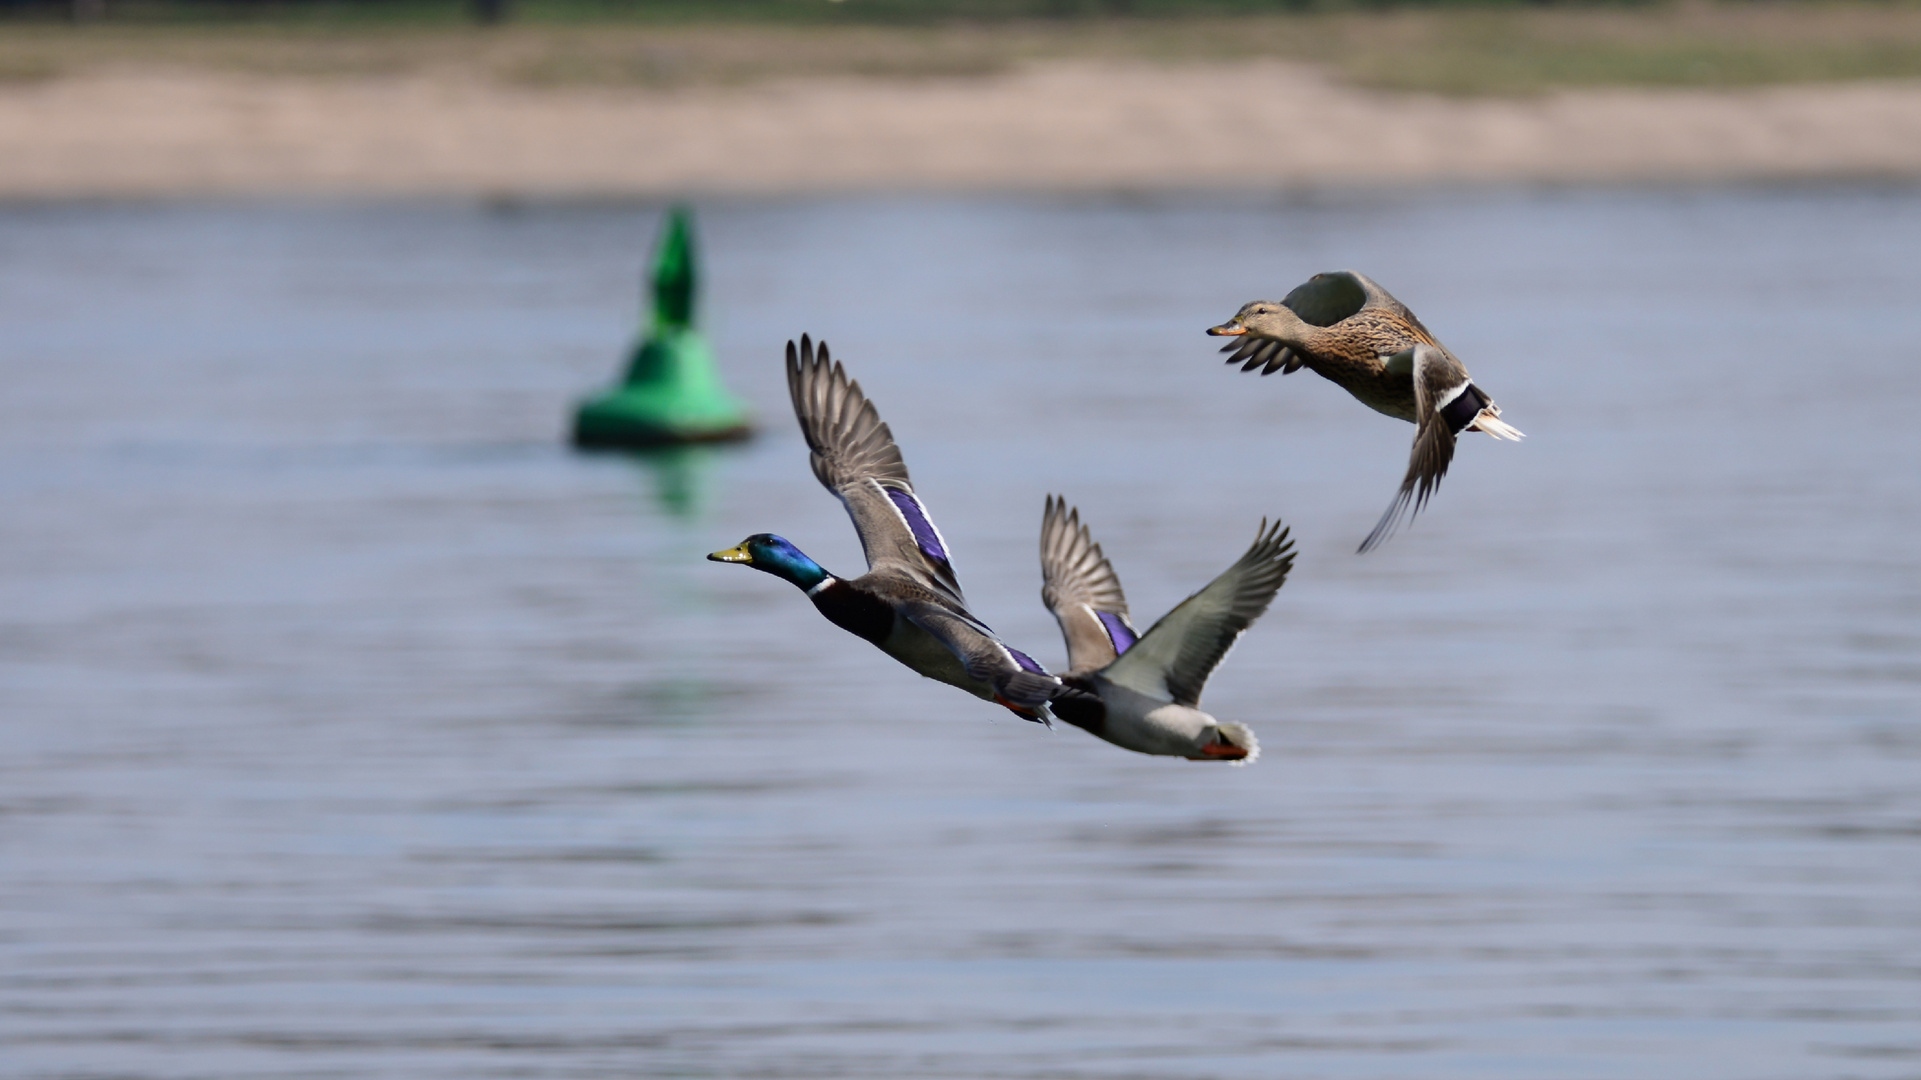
{"points": [[1451, 49], [367, 13], [1725, 46]]}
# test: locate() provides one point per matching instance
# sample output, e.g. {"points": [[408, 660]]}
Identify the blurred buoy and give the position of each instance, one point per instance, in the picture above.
{"points": [[672, 391]]}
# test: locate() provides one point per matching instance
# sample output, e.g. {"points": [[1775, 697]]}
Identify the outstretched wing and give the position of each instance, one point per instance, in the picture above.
{"points": [[854, 457], [1322, 300], [1080, 587], [1257, 351], [1373, 297], [1328, 297], [1445, 401], [1174, 658]]}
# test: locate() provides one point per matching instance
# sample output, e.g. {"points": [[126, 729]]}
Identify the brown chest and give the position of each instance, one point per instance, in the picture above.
{"points": [[1356, 365]]}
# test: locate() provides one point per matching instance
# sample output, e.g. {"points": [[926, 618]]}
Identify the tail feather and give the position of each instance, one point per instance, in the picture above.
{"points": [[1040, 714], [1026, 694], [1490, 421], [1242, 736], [1232, 743]]}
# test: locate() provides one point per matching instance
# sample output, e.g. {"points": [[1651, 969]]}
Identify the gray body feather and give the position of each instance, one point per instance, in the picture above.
{"points": [[1151, 689]]}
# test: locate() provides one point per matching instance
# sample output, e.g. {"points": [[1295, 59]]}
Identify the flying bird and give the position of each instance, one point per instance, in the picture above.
{"points": [[909, 602], [1349, 330], [1143, 691]]}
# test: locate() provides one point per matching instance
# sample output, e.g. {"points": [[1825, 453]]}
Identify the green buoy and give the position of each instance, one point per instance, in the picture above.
{"points": [[672, 392]]}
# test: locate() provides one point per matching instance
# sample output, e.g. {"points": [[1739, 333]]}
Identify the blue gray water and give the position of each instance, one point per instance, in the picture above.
{"points": [[355, 727]]}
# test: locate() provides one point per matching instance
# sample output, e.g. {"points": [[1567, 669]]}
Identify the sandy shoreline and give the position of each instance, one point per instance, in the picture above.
{"points": [[1062, 126]]}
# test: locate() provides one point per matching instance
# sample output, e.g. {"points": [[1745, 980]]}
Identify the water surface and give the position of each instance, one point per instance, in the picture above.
{"points": [[356, 727]]}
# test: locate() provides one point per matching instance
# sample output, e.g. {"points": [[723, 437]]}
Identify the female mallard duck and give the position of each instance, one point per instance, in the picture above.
{"points": [[1143, 691], [909, 601], [1349, 330]]}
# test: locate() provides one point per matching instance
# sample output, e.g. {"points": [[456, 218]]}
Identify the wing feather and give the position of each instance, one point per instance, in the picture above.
{"points": [[1330, 297], [1013, 674], [1242, 347], [855, 457], [1080, 587], [1440, 382], [1173, 660]]}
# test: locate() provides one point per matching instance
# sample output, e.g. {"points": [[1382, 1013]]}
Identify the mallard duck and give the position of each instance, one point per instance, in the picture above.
{"points": [[1143, 691], [1349, 330], [909, 602]]}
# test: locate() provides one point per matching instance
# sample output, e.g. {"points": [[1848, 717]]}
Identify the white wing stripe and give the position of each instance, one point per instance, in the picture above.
{"points": [[1448, 398]]}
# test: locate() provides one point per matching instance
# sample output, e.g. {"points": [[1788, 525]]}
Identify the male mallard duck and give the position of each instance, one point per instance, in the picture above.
{"points": [[1143, 691], [1349, 330], [909, 601]]}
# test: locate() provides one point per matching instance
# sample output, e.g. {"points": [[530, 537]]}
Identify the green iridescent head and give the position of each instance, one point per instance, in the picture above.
{"points": [[774, 555]]}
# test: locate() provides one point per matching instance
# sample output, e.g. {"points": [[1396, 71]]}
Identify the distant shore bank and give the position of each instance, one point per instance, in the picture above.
{"points": [[1048, 126]]}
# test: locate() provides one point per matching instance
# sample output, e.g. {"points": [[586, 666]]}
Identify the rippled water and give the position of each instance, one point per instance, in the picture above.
{"points": [[356, 727]]}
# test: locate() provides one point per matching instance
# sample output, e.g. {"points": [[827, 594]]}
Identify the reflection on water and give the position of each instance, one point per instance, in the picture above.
{"points": [[358, 727], [680, 475]]}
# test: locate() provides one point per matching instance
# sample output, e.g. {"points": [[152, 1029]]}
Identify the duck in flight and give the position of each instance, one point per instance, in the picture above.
{"points": [[1143, 691], [909, 602], [1349, 330]]}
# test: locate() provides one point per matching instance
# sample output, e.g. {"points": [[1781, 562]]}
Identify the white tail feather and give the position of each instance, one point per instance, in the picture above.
{"points": [[1242, 736], [1490, 421]]}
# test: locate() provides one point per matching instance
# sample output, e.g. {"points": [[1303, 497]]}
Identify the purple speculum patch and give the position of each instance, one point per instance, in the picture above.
{"points": [[1025, 661], [923, 529], [1117, 631]]}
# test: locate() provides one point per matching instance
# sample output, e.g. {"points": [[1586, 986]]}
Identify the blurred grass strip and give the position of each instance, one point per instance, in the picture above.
{"points": [[1446, 48], [798, 12]]}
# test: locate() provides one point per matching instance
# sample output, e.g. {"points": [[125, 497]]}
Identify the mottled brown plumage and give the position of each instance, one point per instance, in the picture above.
{"points": [[1350, 331]]}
